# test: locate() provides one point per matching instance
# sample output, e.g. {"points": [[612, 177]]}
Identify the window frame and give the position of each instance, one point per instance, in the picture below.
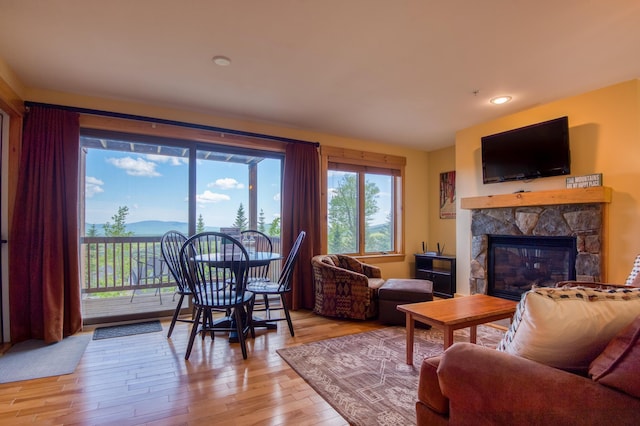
{"points": [[333, 158], [194, 139]]}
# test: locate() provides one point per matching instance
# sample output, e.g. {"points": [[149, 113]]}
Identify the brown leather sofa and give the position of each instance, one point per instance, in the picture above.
{"points": [[474, 385]]}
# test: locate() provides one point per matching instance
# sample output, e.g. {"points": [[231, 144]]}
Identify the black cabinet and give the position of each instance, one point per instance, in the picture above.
{"points": [[439, 269]]}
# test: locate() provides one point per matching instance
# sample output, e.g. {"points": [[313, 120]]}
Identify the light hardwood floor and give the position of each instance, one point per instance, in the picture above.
{"points": [[145, 380]]}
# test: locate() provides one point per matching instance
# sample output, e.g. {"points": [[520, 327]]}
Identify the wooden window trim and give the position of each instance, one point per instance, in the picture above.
{"points": [[369, 162]]}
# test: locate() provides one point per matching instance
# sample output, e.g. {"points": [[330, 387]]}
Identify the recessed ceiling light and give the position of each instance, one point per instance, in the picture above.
{"points": [[499, 100], [222, 61]]}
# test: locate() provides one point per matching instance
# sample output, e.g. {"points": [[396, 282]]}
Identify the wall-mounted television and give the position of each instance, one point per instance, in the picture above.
{"points": [[535, 151]]}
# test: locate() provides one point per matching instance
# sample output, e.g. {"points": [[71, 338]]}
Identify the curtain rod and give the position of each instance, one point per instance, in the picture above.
{"points": [[169, 122]]}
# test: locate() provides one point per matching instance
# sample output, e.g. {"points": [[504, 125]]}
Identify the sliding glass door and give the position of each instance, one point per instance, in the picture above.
{"points": [[137, 188]]}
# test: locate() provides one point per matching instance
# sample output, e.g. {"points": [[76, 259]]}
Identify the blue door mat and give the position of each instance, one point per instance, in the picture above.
{"points": [[126, 330]]}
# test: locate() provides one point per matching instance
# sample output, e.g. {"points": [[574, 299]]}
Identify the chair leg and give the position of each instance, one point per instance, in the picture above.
{"points": [[250, 317], [194, 331], [286, 313], [175, 316], [267, 312], [240, 330], [207, 323]]}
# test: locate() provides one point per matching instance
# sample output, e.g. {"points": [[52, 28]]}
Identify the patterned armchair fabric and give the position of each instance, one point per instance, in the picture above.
{"points": [[345, 287]]}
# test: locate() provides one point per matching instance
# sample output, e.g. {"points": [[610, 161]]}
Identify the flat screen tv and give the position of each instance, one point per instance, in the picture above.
{"points": [[535, 151]]}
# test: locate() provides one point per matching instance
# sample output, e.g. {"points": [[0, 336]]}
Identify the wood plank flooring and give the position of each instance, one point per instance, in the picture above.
{"points": [[145, 380]]}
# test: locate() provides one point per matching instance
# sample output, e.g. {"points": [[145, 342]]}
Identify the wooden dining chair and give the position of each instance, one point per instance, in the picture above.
{"points": [[170, 246], [255, 241], [210, 261], [280, 288]]}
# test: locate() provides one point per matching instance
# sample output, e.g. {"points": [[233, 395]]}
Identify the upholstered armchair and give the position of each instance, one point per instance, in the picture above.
{"points": [[345, 287]]}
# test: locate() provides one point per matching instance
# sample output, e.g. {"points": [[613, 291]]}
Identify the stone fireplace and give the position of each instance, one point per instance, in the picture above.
{"points": [[516, 215]]}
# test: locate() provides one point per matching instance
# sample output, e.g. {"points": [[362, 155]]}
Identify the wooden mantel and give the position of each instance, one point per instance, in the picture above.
{"points": [[596, 194]]}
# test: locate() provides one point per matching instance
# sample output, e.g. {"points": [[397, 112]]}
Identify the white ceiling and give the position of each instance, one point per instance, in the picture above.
{"points": [[397, 71]]}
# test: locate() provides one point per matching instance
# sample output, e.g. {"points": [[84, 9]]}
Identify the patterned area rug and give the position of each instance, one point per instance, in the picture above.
{"points": [[364, 376], [126, 330]]}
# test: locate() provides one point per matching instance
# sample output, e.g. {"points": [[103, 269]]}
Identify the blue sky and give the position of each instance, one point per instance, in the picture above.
{"points": [[155, 187]]}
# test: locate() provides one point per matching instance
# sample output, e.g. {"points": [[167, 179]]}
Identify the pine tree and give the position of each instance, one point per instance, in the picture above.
{"points": [[200, 224], [261, 223], [92, 231], [241, 219]]}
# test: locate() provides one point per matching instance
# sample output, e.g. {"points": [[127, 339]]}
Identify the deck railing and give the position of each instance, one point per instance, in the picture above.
{"points": [[116, 264]]}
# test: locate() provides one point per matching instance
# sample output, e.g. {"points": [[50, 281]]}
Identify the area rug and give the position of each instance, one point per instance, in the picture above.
{"points": [[126, 330], [33, 359], [365, 377]]}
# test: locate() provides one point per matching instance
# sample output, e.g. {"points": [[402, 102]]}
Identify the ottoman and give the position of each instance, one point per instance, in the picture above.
{"points": [[400, 291]]}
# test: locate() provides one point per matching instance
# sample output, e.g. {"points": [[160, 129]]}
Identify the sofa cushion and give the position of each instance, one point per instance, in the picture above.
{"points": [[635, 271], [567, 328], [618, 365]]}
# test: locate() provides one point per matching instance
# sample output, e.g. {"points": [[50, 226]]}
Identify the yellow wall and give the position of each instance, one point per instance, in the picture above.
{"points": [[604, 131], [416, 172], [441, 231], [605, 138]]}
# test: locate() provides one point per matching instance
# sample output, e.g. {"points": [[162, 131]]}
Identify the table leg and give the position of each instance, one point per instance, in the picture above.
{"points": [[473, 334], [448, 337], [410, 329]]}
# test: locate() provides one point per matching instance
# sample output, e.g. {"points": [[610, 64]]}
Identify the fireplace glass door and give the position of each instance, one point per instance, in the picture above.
{"points": [[516, 263]]}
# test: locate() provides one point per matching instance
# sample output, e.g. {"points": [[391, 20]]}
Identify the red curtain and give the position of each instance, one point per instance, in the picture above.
{"points": [[44, 291], [301, 212]]}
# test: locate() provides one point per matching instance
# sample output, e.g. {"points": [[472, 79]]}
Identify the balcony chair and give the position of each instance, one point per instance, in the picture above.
{"points": [[170, 246], [345, 287], [267, 288], [210, 261], [148, 270]]}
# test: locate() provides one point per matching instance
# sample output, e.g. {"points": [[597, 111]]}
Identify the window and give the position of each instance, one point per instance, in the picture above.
{"points": [[363, 199], [135, 187], [150, 179]]}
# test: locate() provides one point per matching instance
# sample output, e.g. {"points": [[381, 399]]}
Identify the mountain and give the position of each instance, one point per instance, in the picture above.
{"points": [[151, 228]]}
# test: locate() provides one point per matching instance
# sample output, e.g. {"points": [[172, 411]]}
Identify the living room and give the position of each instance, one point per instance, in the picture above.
{"points": [[604, 133]]}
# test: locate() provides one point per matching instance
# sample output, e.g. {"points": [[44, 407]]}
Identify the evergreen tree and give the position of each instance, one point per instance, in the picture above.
{"points": [[261, 222], [241, 219], [92, 231], [119, 227], [200, 224]]}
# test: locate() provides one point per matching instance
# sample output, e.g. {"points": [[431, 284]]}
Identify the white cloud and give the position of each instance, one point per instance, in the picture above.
{"points": [[174, 161], [135, 167], [226, 183], [276, 197], [211, 197], [92, 186]]}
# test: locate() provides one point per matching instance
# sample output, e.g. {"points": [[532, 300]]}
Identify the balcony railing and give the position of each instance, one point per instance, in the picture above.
{"points": [[117, 264]]}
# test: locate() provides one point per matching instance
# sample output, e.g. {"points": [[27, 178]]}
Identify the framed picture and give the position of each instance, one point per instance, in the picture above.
{"points": [[448, 195]]}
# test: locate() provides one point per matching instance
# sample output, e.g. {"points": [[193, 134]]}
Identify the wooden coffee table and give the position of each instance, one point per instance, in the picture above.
{"points": [[456, 313]]}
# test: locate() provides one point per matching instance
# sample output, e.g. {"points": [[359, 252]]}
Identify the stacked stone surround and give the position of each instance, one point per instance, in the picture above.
{"points": [[583, 221]]}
